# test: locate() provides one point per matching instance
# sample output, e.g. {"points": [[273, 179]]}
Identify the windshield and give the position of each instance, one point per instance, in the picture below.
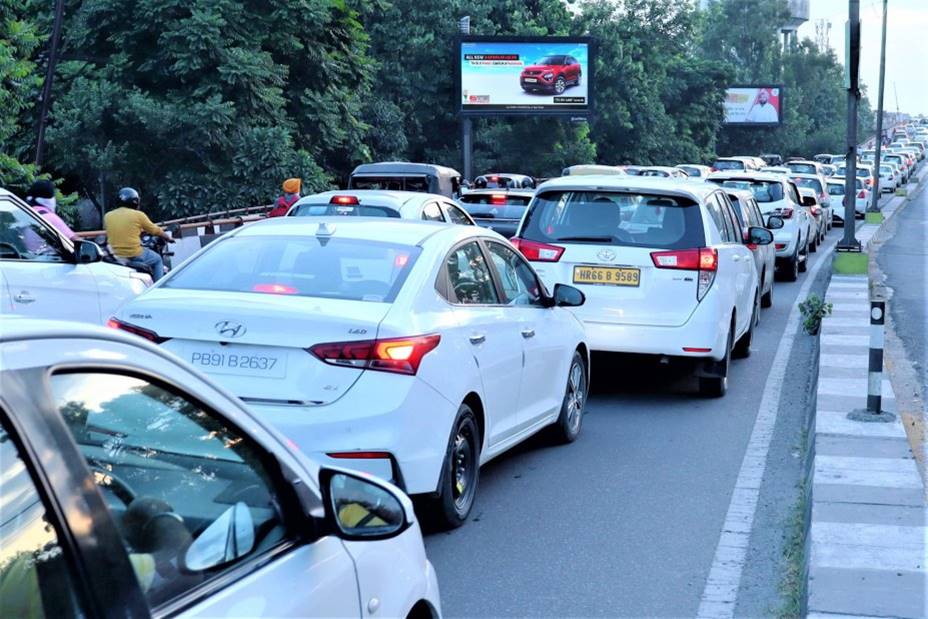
{"points": [[551, 60], [836, 189], [690, 170], [613, 218], [332, 268], [764, 191], [347, 210], [728, 164], [809, 183], [390, 183], [494, 206]]}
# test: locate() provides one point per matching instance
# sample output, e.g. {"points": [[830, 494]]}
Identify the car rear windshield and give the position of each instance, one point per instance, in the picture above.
{"points": [[861, 172], [627, 219], [764, 191], [347, 210], [809, 183], [390, 182], [802, 168], [691, 171], [728, 164], [332, 268], [486, 206], [836, 189]]}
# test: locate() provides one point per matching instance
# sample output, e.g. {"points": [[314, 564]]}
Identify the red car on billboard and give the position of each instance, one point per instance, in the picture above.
{"points": [[551, 74]]}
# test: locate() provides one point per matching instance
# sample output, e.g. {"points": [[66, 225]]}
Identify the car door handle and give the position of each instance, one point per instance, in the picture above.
{"points": [[478, 338], [24, 297], [527, 333]]}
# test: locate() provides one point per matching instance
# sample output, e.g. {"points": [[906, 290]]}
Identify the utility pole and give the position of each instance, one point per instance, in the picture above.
{"points": [[467, 126], [852, 69], [49, 78], [875, 203]]}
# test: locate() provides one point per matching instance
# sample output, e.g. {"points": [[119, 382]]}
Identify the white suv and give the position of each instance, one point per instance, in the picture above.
{"points": [[662, 263], [777, 195]]}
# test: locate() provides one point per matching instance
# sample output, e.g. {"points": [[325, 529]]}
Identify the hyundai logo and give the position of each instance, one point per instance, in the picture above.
{"points": [[606, 254], [230, 328]]}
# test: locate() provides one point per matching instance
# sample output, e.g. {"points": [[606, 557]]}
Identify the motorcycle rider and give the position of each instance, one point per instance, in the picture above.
{"points": [[124, 226]]}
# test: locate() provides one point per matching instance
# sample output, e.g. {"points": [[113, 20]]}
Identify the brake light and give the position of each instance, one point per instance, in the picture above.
{"points": [[817, 211], [400, 355], [780, 245], [359, 455], [274, 289], [538, 252], [149, 335], [344, 200], [868, 180], [705, 260], [498, 199], [786, 212], [862, 194]]}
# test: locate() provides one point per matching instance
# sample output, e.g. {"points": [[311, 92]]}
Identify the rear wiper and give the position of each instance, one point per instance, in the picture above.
{"points": [[592, 239]]}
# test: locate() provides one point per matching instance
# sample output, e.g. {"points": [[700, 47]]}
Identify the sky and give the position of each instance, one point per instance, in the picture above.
{"points": [[906, 47]]}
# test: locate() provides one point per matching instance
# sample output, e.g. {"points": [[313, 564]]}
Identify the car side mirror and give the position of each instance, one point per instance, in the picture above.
{"points": [[363, 507], [759, 236], [775, 222], [808, 201], [568, 296], [86, 252]]}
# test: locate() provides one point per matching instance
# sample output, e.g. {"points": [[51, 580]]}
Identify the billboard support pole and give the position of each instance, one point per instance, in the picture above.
{"points": [[874, 206], [467, 144], [850, 242]]}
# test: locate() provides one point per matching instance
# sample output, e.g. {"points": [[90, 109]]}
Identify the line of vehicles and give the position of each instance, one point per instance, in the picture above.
{"points": [[262, 413]]}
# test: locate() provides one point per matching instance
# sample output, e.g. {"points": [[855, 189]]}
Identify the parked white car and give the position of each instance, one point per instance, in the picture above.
{"points": [[381, 203], [749, 214], [177, 499], [662, 263], [777, 195], [410, 350], [889, 178], [44, 275]]}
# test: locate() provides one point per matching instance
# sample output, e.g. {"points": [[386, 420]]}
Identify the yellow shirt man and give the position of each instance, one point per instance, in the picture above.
{"points": [[123, 227]]}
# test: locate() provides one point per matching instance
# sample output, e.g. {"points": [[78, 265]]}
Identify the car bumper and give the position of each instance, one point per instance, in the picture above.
{"points": [[705, 329], [400, 416], [788, 239], [541, 83]]}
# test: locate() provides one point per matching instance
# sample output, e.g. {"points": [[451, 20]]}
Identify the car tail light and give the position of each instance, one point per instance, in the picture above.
{"points": [[359, 455], [868, 181], [780, 245], [498, 199], [149, 335], [862, 194], [538, 252], [816, 210], [705, 260], [786, 212], [401, 355], [694, 349], [344, 200]]}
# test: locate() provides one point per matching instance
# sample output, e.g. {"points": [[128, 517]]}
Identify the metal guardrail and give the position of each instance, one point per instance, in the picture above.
{"points": [[233, 217]]}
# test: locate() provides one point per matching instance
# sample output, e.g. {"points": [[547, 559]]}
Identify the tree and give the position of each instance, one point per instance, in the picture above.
{"points": [[209, 104]]}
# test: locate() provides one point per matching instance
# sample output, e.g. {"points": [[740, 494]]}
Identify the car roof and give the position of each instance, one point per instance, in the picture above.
{"points": [[384, 197], [805, 175], [400, 231], [747, 176], [693, 189], [403, 167], [520, 191], [809, 161], [740, 193]]}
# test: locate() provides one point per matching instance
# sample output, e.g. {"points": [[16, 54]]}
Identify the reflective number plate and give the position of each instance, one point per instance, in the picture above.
{"points": [[607, 276], [241, 361], [530, 79]]}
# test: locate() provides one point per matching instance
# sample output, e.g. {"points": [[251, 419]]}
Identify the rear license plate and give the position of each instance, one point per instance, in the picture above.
{"points": [[607, 276], [257, 362], [531, 80]]}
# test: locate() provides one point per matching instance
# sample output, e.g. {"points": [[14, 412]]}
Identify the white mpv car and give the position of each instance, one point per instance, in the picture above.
{"points": [[662, 263], [133, 486], [415, 351], [44, 275]]}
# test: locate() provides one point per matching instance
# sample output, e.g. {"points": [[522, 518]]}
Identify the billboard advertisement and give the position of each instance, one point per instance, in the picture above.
{"points": [[510, 75], [758, 105]]}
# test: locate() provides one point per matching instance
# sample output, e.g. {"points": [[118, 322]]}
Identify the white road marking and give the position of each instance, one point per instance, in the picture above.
{"points": [[721, 590]]}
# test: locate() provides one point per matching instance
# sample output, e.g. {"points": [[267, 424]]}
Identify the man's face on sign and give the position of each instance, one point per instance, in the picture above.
{"points": [[763, 97]]}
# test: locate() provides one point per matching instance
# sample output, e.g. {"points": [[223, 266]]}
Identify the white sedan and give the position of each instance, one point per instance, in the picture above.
{"points": [[44, 275], [663, 263], [411, 350], [175, 500]]}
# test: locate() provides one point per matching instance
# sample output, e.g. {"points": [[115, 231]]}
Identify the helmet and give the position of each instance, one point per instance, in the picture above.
{"points": [[128, 197]]}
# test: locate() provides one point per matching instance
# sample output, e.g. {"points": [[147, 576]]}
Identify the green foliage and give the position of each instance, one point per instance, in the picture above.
{"points": [[813, 310]]}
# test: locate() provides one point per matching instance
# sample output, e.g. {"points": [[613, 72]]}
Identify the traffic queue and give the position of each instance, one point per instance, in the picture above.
{"points": [[265, 410]]}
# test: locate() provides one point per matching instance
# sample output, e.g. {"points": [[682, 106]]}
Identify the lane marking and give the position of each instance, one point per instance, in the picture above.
{"points": [[721, 591]]}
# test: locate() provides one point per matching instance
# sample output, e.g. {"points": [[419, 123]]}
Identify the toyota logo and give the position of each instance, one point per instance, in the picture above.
{"points": [[230, 328], [606, 254]]}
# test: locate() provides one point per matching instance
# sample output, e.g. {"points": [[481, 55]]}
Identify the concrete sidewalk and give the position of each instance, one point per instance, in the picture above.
{"points": [[868, 536]]}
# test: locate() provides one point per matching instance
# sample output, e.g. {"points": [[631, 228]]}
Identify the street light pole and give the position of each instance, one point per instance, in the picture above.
{"points": [[874, 206], [467, 126], [850, 242]]}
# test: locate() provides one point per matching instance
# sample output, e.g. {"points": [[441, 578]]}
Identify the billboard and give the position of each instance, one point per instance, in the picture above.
{"points": [[757, 105], [524, 75]]}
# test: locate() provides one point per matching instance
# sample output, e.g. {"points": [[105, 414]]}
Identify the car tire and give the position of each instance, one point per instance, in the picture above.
{"points": [[560, 85], [804, 263], [461, 467], [790, 270], [743, 345], [813, 244], [567, 427], [766, 299], [717, 386]]}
